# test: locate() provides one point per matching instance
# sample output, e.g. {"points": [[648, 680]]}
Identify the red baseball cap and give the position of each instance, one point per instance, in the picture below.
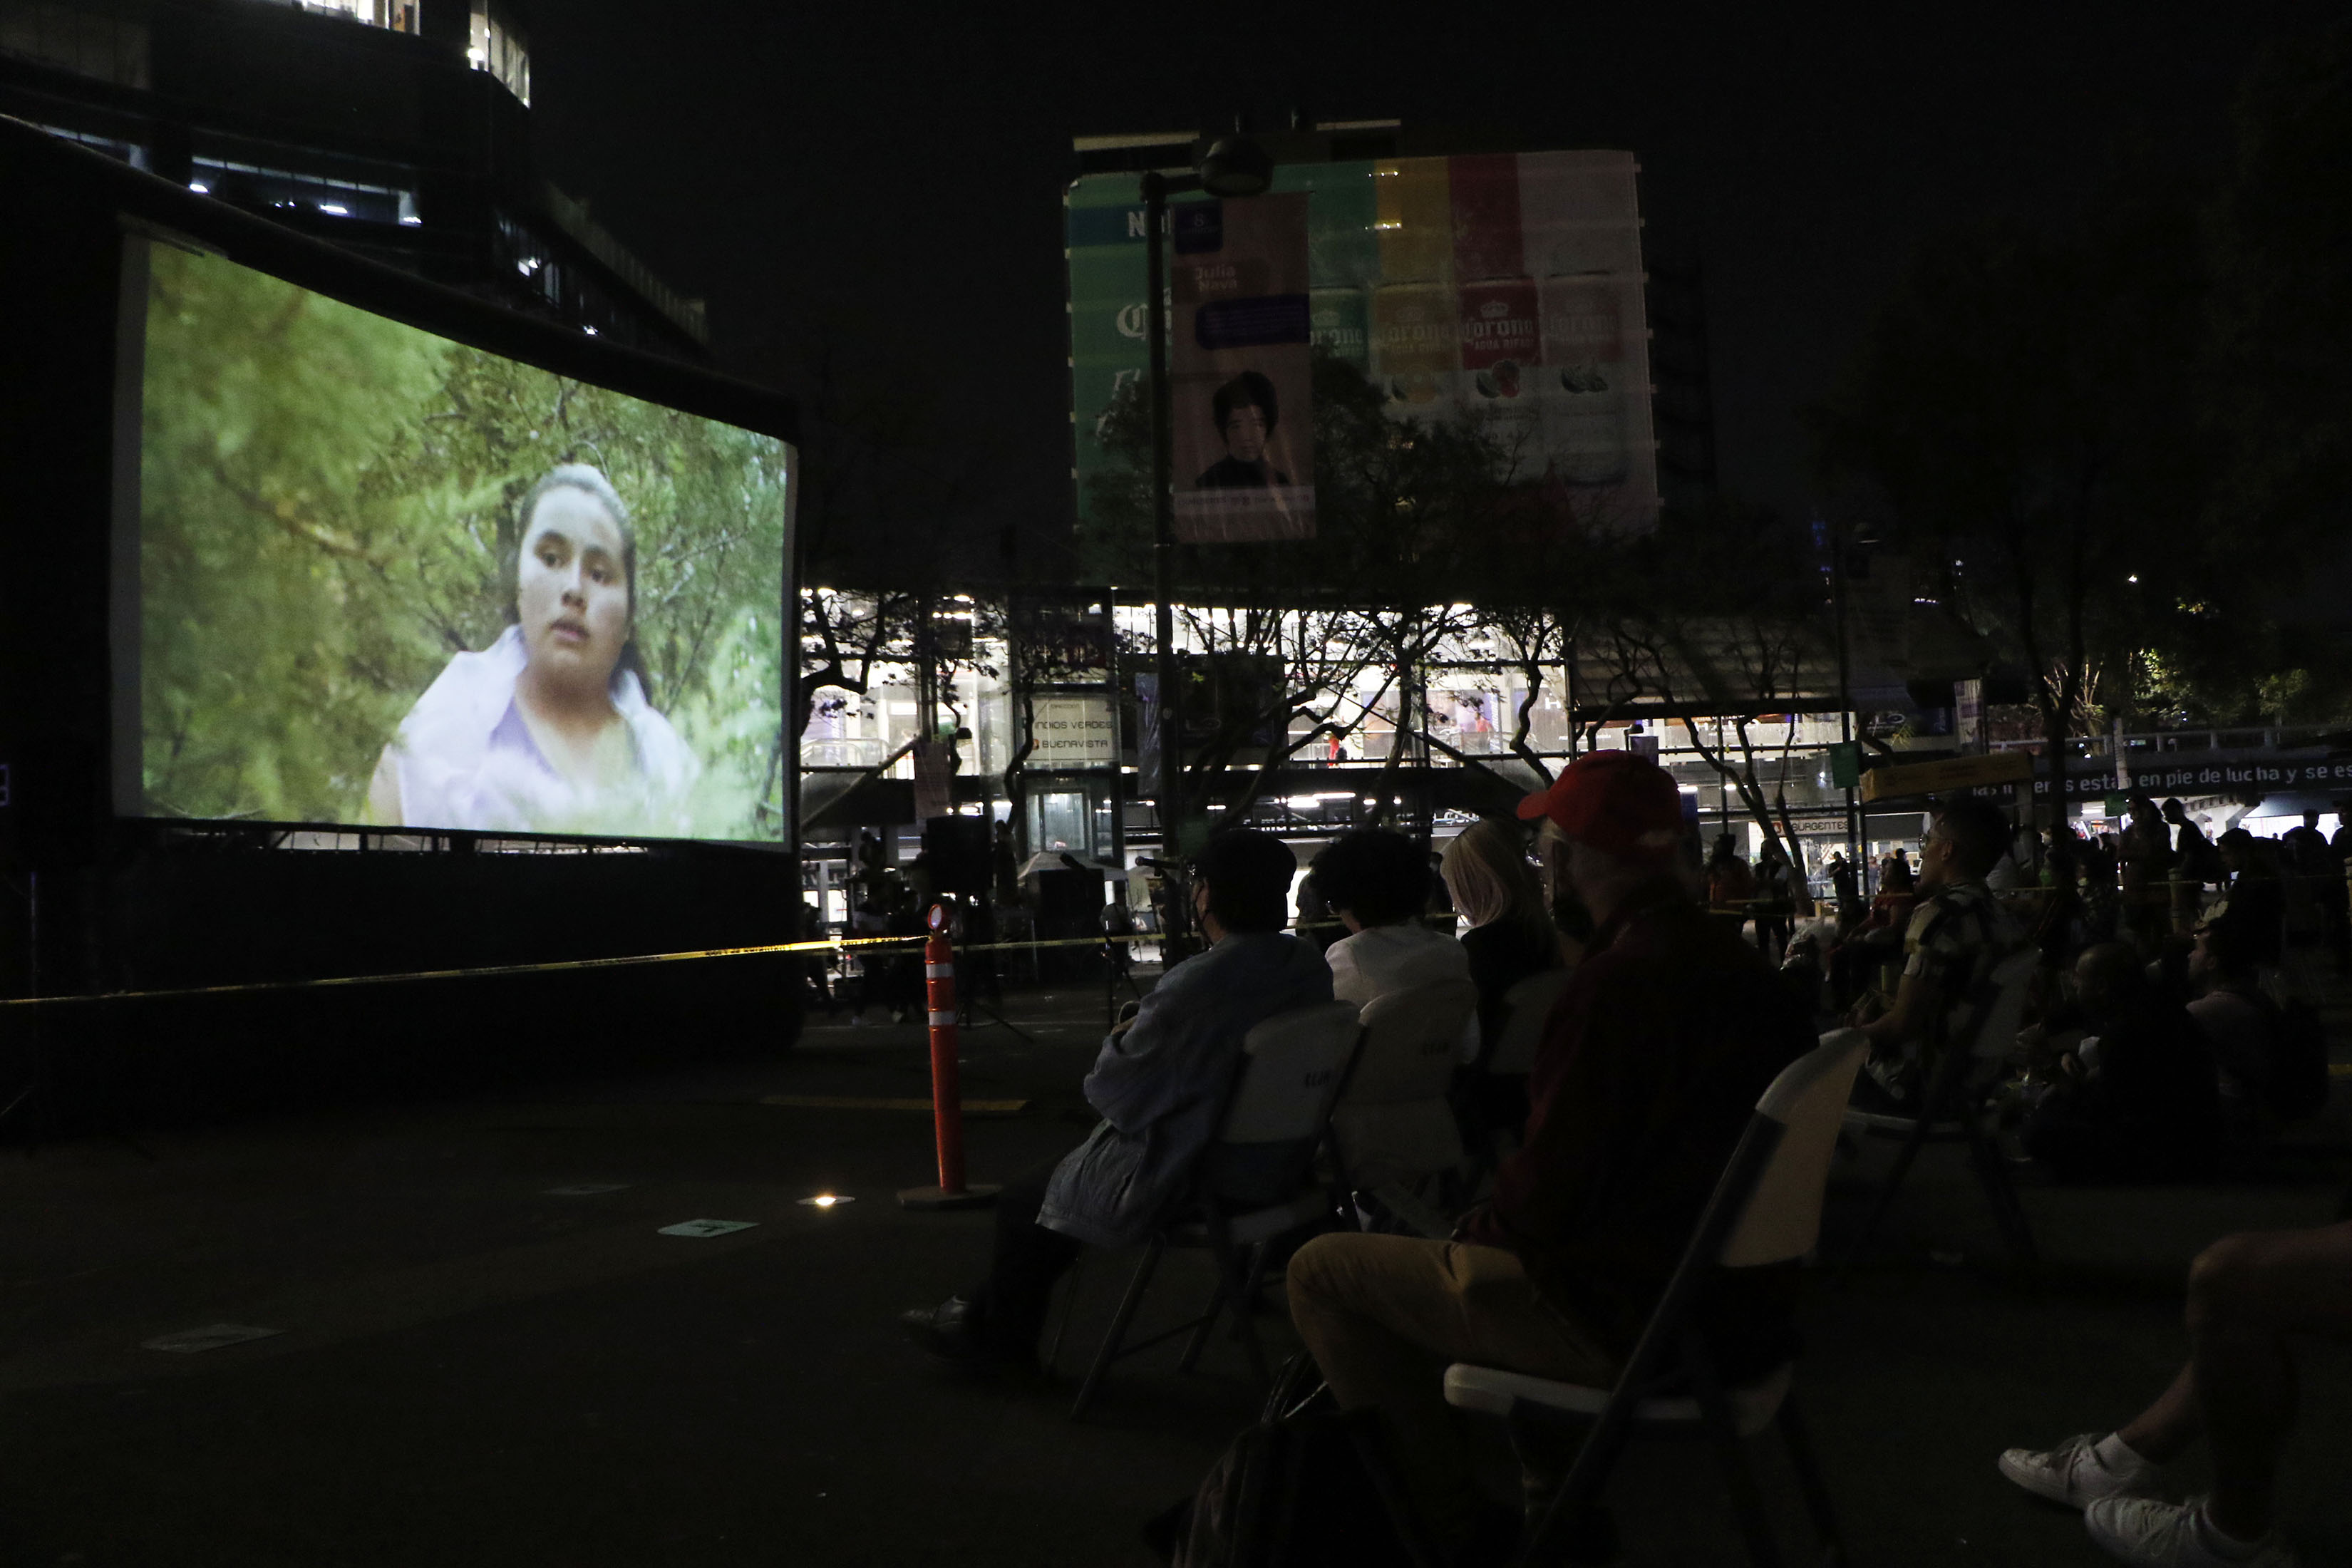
{"points": [[1615, 801]]}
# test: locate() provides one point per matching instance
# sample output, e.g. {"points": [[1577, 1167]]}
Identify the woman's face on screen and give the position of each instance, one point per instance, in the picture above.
{"points": [[571, 587]]}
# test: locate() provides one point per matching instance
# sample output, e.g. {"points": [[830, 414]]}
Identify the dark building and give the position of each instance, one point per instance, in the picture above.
{"points": [[400, 129], [1682, 401]]}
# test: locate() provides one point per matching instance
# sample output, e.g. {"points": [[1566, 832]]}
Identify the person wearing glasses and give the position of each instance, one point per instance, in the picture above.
{"points": [[1958, 933]]}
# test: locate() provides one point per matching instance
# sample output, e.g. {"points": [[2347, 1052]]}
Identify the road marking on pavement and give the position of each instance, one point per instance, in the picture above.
{"points": [[856, 1102], [2339, 1069], [585, 1189], [210, 1337], [701, 1228]]}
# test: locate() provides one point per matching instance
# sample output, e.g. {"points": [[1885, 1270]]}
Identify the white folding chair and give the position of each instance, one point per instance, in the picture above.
{"points": [[1526, 1009], [1254, 1184], [1494, 1098], [1766, 1210], [1952, 1105], [1394, 1129]]}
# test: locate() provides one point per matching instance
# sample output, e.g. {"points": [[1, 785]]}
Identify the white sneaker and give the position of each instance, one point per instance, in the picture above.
{"points": [[2072, 1474], [2156, 1534]]}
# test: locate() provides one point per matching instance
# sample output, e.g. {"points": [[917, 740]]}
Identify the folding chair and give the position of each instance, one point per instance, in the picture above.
{"points": [[1766, 1209], [1394, 1129], [1953, 1107], [1494, 1099], [1255, 1183], [1526, 1009]]}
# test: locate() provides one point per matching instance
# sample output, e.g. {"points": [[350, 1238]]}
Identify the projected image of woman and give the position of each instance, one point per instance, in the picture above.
{"points": [[546, 730]]}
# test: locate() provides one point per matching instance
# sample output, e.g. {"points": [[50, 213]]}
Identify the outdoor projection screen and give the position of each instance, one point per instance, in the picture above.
{"points": [[369, 576]]}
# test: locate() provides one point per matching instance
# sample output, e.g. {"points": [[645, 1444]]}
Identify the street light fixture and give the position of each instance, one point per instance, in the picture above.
{"points": [[1236, 166], [1233, 166]]}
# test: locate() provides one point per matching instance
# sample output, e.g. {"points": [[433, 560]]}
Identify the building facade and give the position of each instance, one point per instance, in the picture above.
{"points": [[400, 129]]}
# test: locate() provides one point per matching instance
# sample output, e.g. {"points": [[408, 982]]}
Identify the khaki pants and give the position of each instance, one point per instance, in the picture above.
{"points": [[1384, 1315]]}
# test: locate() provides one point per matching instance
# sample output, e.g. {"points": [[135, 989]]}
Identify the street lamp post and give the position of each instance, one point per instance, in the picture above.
{"points": [[1845, 705], [1235, 166], [1164, 514]]}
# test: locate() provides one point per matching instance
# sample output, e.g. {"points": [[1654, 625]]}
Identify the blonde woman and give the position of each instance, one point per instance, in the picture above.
{"points": [[1511, 933]]}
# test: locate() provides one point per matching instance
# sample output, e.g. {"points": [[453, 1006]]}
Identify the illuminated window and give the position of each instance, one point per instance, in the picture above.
{"points": [[399, 16], [253, 186], [496, 44]]}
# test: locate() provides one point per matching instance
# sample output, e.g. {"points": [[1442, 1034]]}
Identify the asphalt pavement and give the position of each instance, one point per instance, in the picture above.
{"points": [[482, 1347]]}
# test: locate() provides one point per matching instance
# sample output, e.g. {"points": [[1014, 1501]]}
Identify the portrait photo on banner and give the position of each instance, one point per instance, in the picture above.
{"points": [[1241, 378]]}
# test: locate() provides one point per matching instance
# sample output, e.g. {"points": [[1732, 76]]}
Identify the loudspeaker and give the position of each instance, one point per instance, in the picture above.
{"points": [[1068, 904], [957, 850]]}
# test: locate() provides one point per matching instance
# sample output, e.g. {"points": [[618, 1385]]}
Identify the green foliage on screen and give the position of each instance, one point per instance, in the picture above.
{"points": [[327, 513]]}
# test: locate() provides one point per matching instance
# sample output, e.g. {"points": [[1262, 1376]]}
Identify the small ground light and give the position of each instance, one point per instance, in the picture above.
{"points": [[827, 1200]]}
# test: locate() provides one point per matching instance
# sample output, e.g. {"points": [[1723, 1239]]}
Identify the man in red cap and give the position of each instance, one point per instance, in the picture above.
{"points": [[1651, 1063]]}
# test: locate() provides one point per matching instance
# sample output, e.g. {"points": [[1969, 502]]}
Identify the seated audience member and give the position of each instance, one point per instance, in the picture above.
{"points": [[1511, 935], [2253, 894], [1570, 918], [1160, 1083], [2248, 1296], [1669, 1030], [1803, 971], [1958, 934], [1864, 948], [2017, 868], [1730, 880], [2241, 1023], [2194, 856], [1314, 915], [1377, 882], [2137, 1099], [1898, 892]]}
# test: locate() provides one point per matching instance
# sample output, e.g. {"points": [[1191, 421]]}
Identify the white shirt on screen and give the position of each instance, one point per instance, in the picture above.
{"points": [[465, 759]]}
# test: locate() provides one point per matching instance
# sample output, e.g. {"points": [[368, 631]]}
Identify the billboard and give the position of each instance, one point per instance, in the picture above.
{"points": [[1501, 289], [1240, 375], [376, 577]]}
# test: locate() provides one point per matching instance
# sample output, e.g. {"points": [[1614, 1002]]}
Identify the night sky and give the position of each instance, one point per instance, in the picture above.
{"points": [[887, 178]]}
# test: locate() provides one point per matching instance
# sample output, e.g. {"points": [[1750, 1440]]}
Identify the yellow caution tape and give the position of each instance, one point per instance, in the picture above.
{"points": [[853, 1102], [827, 945]]}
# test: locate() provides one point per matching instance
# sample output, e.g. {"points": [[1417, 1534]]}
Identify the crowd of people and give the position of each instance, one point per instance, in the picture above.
{"points": [[2149, 1045]]}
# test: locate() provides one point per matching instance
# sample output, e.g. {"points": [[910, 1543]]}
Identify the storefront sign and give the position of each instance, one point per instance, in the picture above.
{"points": [[2210, 774], [1956, 773], [1072, 732]]}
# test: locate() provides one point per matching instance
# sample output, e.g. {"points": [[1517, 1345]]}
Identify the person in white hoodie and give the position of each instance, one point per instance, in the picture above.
{"points": [[1378, 883], [548, 730]]}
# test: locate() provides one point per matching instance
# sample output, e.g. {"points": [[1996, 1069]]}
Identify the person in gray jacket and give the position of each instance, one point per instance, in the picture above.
{"points": [[1159, 1082]]}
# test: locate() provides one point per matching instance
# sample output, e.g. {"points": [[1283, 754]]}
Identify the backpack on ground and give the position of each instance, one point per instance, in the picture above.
{"points": [[2296, 1088], [1307, 1485]]}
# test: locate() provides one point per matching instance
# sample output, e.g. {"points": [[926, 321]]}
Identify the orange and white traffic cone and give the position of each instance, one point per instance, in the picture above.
{"points": [[947, 1092]]}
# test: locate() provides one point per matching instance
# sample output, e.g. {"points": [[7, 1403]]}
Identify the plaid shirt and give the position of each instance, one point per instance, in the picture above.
{"points": [[1957, 934]]}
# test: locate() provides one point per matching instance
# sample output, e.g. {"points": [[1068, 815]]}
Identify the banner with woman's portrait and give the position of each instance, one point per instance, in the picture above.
{"points": [[387, 579], [1241, 377]]}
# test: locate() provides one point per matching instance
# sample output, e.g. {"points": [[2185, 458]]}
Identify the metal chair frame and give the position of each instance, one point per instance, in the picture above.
{"points": [[1404, 1073], [1509, 1056], [1237, 1236], [1953, 1108]]}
